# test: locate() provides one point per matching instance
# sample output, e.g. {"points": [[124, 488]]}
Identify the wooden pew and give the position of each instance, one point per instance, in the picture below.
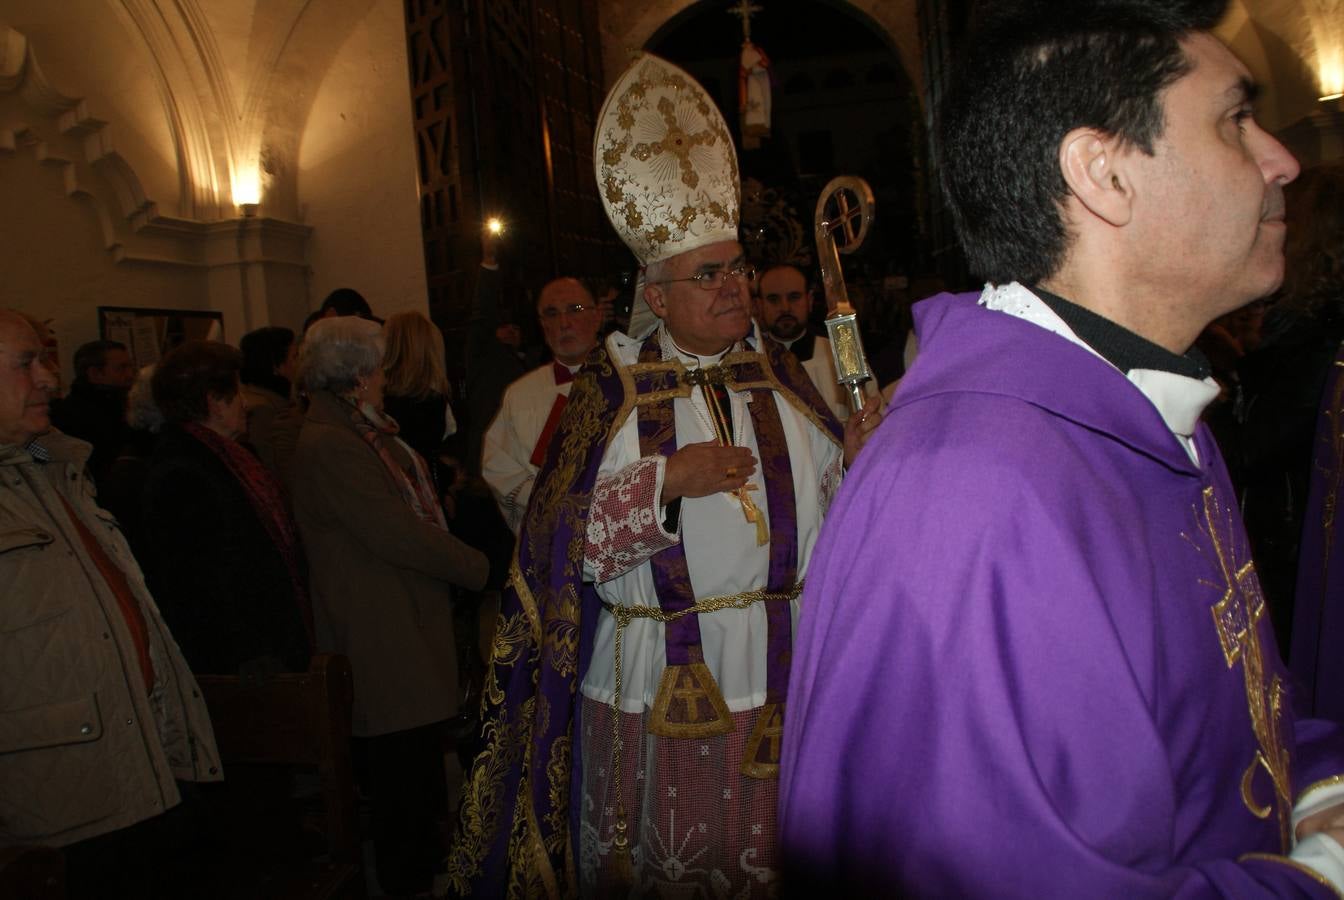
{"points": [[297, 719]]}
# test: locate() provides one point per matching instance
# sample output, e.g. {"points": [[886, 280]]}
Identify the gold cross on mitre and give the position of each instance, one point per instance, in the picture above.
{"points": [[743, 10]]}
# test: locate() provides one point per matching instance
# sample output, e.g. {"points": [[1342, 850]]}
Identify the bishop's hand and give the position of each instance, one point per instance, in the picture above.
{"points": [[698, 470], [860, 426]]}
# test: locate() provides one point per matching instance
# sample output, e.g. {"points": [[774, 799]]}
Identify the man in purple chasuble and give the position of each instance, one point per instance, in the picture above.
{"points": [[1033, 659], [638, 686]]}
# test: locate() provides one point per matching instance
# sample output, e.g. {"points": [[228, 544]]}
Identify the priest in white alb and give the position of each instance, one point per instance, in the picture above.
{"points": [[638, 685], [516, 441]]}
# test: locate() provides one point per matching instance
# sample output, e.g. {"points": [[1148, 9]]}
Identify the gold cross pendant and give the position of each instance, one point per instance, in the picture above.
{"points": [[753, 514]]}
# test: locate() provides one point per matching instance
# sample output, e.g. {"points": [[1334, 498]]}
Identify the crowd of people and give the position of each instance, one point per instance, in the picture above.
{"points": [[998, 632]]}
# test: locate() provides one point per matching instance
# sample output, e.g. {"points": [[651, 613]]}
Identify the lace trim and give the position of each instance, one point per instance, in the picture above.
{"points": [[623, 523]]}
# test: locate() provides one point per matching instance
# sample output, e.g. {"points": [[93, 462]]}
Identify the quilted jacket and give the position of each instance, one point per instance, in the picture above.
{"points": [[84, 748]]}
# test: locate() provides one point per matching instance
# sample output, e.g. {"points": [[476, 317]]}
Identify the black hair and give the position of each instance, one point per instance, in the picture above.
{"points": [[93, 355], [347, 302], [1031, 73], [263, 350]]}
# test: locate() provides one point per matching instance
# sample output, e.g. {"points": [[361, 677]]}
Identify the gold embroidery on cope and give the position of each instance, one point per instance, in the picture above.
{"points": [[562, 633], [482, 805], [511, 637], [557, 774], [1237, 617]]}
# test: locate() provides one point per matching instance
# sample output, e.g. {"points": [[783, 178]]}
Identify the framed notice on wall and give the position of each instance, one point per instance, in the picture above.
{"points": [[150, 333]]}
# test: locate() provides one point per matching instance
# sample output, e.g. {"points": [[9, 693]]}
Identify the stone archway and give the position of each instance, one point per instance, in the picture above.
{"points": [[627, 27]]}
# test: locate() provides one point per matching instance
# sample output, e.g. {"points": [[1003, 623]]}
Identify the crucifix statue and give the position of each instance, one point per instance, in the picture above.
{"points": [[753, 81], [743, 10]]}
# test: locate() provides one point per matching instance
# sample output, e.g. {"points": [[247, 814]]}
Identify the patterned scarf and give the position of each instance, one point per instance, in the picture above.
{"points": [[267, 500], [417, 489]]}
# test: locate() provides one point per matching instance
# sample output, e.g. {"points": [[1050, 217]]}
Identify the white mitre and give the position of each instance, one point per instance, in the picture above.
{"points": [[666, 168]]}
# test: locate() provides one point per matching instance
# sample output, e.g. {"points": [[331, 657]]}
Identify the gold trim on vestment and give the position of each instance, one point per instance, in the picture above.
{"points": [[688, 685], [1294, 864], [627, 373], [528, 601], [769, 727], [771, 381], [1332, 781]]}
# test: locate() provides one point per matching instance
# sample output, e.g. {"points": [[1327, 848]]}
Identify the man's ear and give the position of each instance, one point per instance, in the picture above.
{"points": [[1092, 164], [657, 300]]}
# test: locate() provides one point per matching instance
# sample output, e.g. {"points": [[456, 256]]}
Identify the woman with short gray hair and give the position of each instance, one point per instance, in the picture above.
{"points": [[382, 569], [340, 352]]}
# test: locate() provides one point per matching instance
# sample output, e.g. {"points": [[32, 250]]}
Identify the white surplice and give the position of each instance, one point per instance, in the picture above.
{"points": [[506, 452], [721, 551]]}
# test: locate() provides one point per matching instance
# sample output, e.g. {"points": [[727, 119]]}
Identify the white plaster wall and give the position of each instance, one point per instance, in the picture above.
{"points": [[85, 51], [357, 182], [53, 264]]}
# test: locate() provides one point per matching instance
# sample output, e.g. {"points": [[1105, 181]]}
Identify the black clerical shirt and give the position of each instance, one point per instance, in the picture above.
{"points": [[1118, 345]]}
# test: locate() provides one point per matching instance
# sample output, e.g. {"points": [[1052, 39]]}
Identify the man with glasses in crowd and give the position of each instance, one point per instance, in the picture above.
{"points": [[637, 694], [515, 444]]}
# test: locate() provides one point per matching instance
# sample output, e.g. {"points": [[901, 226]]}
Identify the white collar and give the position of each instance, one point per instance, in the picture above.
{"points": [[671, 350], [1179, 399]]}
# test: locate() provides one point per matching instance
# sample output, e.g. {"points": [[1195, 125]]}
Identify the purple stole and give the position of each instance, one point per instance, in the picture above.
{"points": [[518, 831], [689, 703]]}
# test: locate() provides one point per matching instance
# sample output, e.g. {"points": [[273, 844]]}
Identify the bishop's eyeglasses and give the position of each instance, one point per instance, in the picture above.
{"points": [[715, 280]]}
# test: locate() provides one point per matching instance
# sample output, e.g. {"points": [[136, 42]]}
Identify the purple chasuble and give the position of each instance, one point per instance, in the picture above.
{"points": [[1033, 658], [1317, 654]]}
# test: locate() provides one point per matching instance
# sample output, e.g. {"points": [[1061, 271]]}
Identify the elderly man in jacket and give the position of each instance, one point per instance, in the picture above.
{"points": [[99, 715]]}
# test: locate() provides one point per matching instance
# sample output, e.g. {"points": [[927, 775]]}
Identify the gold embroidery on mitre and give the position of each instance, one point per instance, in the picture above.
{"points": [[1236, 617], [662, 145], [761, 759], [689, 704]]}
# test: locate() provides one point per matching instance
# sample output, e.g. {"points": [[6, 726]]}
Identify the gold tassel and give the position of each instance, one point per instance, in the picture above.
{"points": [[620, 871]]}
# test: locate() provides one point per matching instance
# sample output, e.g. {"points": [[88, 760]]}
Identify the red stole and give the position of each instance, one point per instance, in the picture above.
{"points": [[562, 376]]}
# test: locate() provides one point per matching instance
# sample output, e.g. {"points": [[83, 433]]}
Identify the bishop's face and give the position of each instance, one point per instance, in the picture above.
{"points": [[703, 322]]}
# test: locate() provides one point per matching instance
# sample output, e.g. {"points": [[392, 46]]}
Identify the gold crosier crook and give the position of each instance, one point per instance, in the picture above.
{"points": [[845, 209]]}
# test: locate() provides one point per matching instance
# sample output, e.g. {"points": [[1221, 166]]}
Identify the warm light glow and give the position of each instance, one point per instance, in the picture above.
{"points": [[1331, 96], [1326, 20], [495, 225], [247, 187], [1330, 71]]}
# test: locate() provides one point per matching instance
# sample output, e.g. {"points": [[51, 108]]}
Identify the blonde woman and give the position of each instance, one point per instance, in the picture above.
{"points": [[417, 386]]}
